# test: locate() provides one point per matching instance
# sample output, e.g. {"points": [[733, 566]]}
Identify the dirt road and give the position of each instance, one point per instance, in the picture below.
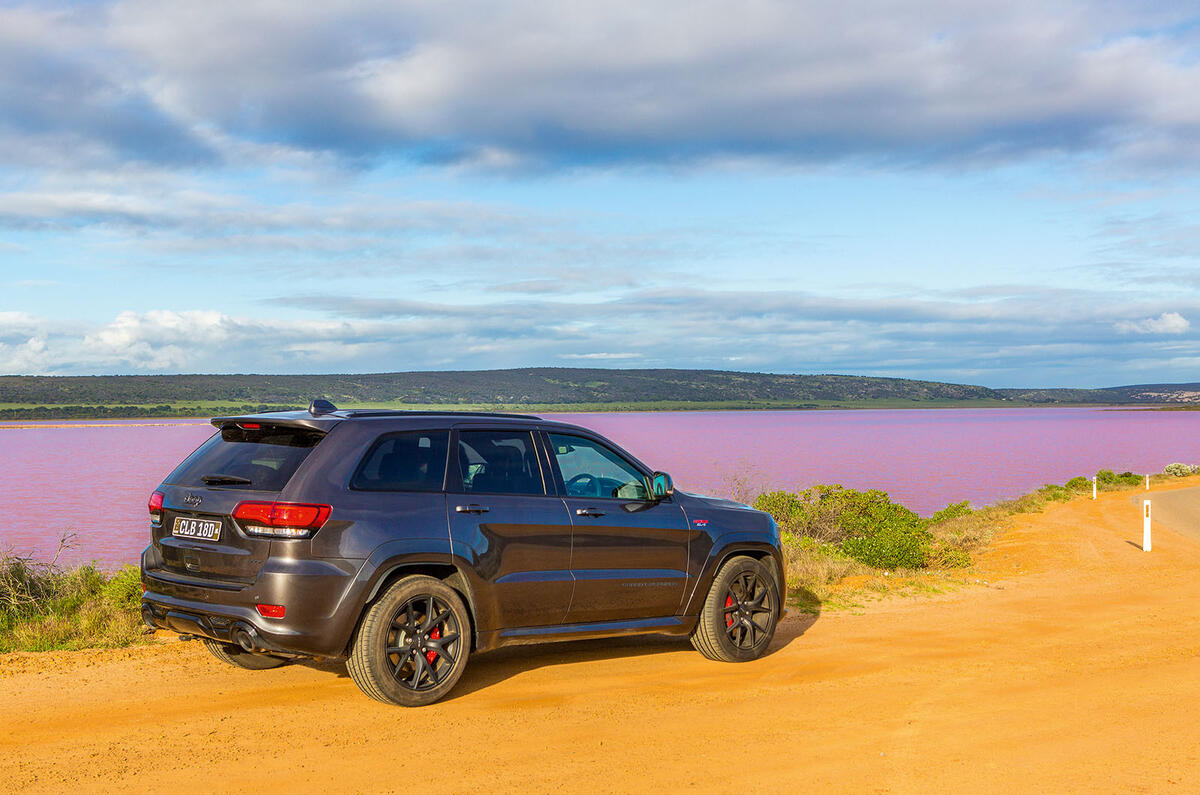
{"points": [[1074, 669]]}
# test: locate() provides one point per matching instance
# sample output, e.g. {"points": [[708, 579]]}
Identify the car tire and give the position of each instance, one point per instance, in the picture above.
{"points": [[232, 654], [412, 644], [739, 614]]}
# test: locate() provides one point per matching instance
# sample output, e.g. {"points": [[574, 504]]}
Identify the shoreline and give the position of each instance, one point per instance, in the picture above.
{"points": [[590, 408]]}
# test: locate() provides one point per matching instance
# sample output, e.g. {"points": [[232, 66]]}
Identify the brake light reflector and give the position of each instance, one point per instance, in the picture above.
{"points": [[156, 508], [271, 611], [281, 519], [250, 426]]}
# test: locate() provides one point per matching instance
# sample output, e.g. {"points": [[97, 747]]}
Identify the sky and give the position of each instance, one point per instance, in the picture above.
{"points": [[999, 192]]}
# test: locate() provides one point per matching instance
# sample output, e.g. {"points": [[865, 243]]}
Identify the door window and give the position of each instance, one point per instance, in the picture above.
{"points": [[498, 462], [589, 469]]}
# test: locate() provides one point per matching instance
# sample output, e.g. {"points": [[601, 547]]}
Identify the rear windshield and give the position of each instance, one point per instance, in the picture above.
{"points": [[262, 459]]}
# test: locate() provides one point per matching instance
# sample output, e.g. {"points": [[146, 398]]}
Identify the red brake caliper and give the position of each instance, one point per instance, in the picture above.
{"points": [[729, 616], [432, 655]]}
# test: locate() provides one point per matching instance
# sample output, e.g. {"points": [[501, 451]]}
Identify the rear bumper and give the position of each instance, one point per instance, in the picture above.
{"points": [[321, 598], [240, 632]]}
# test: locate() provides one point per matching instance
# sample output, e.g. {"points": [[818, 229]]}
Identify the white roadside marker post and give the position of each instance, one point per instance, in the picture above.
{"points": [[1147, 482], [1093, 487], [1145, 525]]}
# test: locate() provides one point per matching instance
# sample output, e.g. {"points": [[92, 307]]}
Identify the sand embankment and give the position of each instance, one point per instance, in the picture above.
{"points": [[1074, 669]]}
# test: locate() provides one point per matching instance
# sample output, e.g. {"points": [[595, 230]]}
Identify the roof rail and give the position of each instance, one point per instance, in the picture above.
{"points": [[352, 413]]}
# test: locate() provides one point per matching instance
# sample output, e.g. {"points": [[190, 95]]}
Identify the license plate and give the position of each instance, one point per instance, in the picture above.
{"points": [[204, 529]]}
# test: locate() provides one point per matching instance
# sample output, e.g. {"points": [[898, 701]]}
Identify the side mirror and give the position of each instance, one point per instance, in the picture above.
{"points": [[661, 485]]}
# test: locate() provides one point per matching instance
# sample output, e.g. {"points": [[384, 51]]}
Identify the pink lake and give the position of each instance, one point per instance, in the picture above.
{"points": [[93, 478]]}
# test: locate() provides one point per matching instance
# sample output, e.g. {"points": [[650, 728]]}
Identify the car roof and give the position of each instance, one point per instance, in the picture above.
{"points": [[324, 421]]}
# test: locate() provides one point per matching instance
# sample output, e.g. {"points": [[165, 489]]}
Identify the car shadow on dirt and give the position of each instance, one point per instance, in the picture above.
{"points": [[491, 668], [494, 667]]}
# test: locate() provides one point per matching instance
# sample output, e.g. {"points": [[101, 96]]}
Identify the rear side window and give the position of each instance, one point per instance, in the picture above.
{"points": [[407, 461], [260, 459], [498, 462]]}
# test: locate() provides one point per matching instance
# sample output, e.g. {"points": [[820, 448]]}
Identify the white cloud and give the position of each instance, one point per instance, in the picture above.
{"points": [[999, 342], [1166, 323], [502, 86]]}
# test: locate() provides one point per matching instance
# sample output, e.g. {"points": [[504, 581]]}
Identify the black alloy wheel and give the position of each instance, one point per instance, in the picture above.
{"points": [[423, 642], [738, 618], [412, 644], [749, 611]]}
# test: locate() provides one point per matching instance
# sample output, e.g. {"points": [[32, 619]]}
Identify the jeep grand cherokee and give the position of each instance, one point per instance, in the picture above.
{"points": [[404, 541]]}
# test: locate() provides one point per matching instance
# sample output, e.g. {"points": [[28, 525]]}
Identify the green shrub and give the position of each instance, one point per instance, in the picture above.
{"points": [[1079, 484], [1056, 493], [1179, 470], [44, 607], [1106, 477], [951, 511], [892, 546], [866, 525], [787, 510], [124, 589]]}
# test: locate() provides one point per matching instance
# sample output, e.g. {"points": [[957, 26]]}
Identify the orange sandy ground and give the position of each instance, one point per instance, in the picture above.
{"points": [[1074, 669]]}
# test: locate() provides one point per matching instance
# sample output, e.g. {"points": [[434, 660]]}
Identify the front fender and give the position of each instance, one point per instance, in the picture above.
{"points": [[726, 546]]}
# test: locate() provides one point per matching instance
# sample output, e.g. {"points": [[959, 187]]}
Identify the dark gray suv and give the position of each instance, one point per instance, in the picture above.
{"points": [[404, 541]]}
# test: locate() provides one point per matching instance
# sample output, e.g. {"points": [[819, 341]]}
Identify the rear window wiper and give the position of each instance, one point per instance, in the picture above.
{"points": [[225, 480]]}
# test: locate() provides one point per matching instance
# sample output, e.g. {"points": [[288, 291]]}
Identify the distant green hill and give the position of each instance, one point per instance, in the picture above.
{"points": [[1136, 393], [542, 388], [546, 386]]}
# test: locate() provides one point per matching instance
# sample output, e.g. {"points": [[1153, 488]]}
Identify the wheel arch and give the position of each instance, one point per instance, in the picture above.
{"points": [[732, 548], [449, 573]]}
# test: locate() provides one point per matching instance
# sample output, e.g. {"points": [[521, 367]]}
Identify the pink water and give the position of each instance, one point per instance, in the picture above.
{"points": [[93, 478]]}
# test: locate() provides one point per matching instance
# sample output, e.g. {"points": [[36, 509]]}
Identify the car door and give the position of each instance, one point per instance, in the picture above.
{"points": [[628, 552], [518, 536]]}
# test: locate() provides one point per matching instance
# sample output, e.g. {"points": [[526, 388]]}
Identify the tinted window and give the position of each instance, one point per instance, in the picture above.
{"points": [[498, 462], [589, 469], [410, 461], [267, 457]]}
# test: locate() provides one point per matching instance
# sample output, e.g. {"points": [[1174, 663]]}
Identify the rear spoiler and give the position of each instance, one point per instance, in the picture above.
{"points": [[292, 419]]}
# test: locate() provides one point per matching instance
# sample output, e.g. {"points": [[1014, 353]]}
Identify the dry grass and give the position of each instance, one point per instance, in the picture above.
{"points": [[820, 576], [45, 607]]}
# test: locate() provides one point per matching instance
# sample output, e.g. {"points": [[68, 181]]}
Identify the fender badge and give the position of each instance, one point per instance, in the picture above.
{"points": [[700, 522]]}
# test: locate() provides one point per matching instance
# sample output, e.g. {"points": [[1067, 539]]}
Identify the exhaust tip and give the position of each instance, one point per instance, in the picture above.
{"points": [[242, 638], [245, 637], [148, 617]]}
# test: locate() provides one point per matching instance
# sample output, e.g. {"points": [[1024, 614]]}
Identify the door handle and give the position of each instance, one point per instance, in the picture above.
{"points": [[472, 508], [588, 512]]}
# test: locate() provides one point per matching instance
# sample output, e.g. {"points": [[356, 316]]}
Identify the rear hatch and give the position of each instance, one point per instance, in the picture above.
{"points": [[246, 461]]}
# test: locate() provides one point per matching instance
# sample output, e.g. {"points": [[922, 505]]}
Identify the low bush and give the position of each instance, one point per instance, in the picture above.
{"points": [[1079, 484], [1178, 470], [44, 607], [1055, 493], [1127, 479], [951, 511], [866, 525], [892, 546]]}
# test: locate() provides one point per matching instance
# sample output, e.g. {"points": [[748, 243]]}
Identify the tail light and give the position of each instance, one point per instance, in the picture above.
{"points": [[281, 519], [271, 611], [156, 508]]}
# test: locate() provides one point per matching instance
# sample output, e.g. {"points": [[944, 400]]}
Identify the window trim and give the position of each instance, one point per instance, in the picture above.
{"points": [[380, 439], [561, 485], [454, 474]]}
